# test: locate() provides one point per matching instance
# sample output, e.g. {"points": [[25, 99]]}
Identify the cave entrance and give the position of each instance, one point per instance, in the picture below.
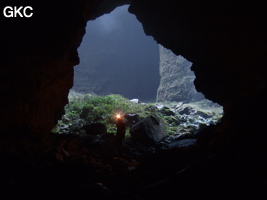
{"points": [[116, 57], [119, 66]]}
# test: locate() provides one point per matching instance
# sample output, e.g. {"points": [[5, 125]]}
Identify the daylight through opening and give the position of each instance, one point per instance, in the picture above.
{"points": [[116, 57], [126, 76]]}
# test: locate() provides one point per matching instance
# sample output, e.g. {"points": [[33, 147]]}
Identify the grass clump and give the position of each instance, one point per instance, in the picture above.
{"points": [[85, 109]]}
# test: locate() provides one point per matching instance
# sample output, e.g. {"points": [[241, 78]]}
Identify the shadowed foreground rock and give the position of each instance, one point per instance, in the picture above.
{"points": [[149, 130], [226, 41], [95, 129]]}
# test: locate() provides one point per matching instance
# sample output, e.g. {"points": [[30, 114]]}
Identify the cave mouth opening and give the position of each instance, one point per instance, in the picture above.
{"points": [[124, 71], [116, 57]]}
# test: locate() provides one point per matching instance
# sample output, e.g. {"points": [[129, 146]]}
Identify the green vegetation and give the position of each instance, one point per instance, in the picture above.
{"points": [[88, 108], [84, 109]]}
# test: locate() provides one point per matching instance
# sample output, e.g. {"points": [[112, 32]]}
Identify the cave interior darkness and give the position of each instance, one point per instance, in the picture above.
{"points": [[227, 44]]}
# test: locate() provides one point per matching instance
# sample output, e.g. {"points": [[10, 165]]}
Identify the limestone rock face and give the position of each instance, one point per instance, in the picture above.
{"points": [[225, 42], [177, 79]]}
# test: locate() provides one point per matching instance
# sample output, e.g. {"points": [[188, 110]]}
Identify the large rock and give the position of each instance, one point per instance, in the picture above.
{"points": [[176, 83], [131, 119], [149, 130]]}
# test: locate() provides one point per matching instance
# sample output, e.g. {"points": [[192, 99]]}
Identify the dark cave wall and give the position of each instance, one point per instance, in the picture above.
{"points": [[37, 59], [225, 41]]}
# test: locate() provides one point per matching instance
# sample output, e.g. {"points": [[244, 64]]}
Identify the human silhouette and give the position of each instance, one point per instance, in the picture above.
{"points": [[121, 129]]}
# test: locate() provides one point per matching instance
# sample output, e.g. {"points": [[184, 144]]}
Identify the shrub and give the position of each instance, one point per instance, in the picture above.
{"points": [[90, 108]]}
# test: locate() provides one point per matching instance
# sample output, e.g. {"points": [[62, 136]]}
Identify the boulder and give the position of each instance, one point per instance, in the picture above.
{"points": [[185, 111], [203, 114], [63, 128], [75, 126], [131, 119], [95, 129], [149, 130], [166, 111]]}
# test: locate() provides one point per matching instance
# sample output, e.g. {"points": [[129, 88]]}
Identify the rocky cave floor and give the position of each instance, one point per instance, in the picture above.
{"points": [[92, 167]]}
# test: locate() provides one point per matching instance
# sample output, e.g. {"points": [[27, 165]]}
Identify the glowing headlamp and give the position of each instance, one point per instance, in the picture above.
{"points": [[118, 116]]}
